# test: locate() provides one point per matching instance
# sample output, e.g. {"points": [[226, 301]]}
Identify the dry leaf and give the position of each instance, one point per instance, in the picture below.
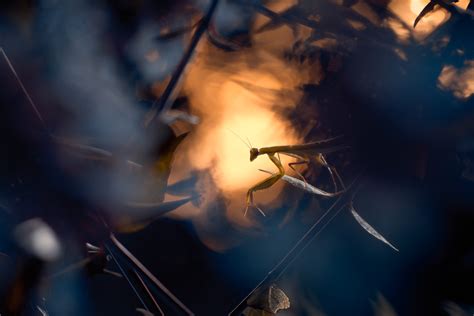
{"points": [[369, 228], [271, 300], [427, 9]]}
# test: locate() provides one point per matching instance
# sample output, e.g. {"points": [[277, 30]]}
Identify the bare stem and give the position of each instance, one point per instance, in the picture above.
{"points": [[166, 100]]}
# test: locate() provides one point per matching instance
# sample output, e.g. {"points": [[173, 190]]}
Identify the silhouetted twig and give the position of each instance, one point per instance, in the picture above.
{"points": [[166, 99], [150, 276]]}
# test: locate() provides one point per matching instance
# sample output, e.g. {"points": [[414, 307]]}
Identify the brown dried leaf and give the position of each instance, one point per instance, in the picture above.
{"points": [[369, 228], [427, 9], [271, 300]]}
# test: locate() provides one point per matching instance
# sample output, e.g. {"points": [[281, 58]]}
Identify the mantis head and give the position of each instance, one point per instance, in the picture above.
{"points": [[253, 153]]}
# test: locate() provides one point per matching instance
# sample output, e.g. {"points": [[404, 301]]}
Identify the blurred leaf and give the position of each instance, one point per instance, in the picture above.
{"points": [[184, 186], [160, 168], [143, 214], [445, 4], [369, 228], [427, 9], [165, 156], [88, 152]]}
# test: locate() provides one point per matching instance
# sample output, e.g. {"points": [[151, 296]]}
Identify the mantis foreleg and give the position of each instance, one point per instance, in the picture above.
{"points": [[266, 183]]}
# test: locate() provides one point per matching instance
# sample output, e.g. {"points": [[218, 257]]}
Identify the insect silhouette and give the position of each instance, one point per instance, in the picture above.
{"points": [[303, 153]]}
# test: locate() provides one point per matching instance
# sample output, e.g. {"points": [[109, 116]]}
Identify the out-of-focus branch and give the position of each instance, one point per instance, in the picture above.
{"points": [[166, 100]]}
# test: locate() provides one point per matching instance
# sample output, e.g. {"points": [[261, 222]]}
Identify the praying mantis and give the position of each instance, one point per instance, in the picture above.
{"points": [[304, 153]]}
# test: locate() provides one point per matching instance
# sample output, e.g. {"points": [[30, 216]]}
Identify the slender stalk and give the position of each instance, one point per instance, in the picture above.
{"points": [[20, 83], [145, 271], [166, 100], [127, 278], [149, 293]]}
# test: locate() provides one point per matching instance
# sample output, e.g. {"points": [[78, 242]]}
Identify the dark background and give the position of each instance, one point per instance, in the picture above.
{"points": [[413, 139]]}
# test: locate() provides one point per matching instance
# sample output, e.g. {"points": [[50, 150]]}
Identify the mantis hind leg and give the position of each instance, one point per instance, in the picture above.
{"points": [[264, 184], [250, 202], [332, 171], [299, 162]]}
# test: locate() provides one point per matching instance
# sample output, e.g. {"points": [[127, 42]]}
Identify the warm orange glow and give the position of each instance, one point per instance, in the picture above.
{"points": [[250, 92], [245, 100], [225, 104], [245, 92], [233, 168], [280, 5]]}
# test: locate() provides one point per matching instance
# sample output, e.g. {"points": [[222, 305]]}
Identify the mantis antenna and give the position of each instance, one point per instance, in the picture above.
{"points": [[249, 142], [241, 139]]}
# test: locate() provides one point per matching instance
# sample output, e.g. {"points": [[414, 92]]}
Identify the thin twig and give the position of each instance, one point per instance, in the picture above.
{"points": [[127, 278], [149, 293], [17, 77], [166, 100], [145, 271]]}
